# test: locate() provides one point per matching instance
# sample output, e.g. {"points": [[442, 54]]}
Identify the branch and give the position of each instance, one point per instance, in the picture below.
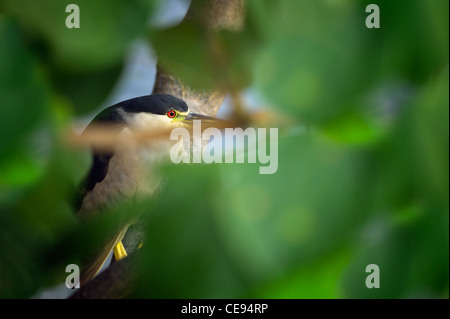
{"points": [[200, 102], [213, 15]]}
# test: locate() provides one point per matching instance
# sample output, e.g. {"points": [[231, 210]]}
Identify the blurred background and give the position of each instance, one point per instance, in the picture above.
{"points": [[363, 118]]}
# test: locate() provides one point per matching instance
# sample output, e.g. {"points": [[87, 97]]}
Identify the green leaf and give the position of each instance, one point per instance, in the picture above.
{"points": [[320, 279], [311, 67], [184, 253], [106, 29], [86, 91], [207, 59], [412, 41], [353, 129], [415, 157], [24, 99], [412, 256]]}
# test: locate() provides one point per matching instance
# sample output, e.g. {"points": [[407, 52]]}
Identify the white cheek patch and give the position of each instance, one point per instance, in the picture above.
{"points": [[149, 123], [142, 121]]}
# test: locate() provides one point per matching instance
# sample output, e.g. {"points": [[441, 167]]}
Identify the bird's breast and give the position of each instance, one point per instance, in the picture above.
{"points": [[132, 171]]}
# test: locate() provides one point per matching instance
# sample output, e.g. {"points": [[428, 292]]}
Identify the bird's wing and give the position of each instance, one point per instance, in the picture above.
{"points": [[112, 180], [97, 173], [106, 186]]}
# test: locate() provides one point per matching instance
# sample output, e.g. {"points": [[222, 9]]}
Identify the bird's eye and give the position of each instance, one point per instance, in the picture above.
{"points": [[171, 114]]}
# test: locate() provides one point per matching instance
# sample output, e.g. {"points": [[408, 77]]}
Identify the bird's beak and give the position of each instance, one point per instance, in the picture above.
{"points": [[189, 119]]}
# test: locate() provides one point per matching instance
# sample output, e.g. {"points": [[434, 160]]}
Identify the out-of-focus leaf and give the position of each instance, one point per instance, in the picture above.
{"points": [[234, 63], [86, 91], [106, 28], [21, 88], [19, 169], [184, 50], [184, 250], [319, 280], [412, 256], [17, 260], [311, 66], [314, 202], [412, 41], [33, 222], [353, 129], [250, 229], [415, 159], [207, 59]]}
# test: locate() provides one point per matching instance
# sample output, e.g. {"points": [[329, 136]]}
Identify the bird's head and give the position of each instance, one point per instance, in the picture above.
{"points": [[149, 120], [156, 111]]}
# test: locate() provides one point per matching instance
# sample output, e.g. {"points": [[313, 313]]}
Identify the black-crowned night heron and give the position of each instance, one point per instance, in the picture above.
{"points": [[121, 172]]}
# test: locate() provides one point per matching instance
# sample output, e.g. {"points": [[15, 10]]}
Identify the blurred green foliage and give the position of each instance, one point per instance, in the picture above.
{"points": [[367, 184]]}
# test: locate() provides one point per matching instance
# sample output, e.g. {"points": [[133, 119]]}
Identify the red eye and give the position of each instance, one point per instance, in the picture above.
{"points": [[171, 114]]}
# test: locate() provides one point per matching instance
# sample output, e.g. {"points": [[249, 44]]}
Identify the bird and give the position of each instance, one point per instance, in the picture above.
{"points": [[120, 172]]}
